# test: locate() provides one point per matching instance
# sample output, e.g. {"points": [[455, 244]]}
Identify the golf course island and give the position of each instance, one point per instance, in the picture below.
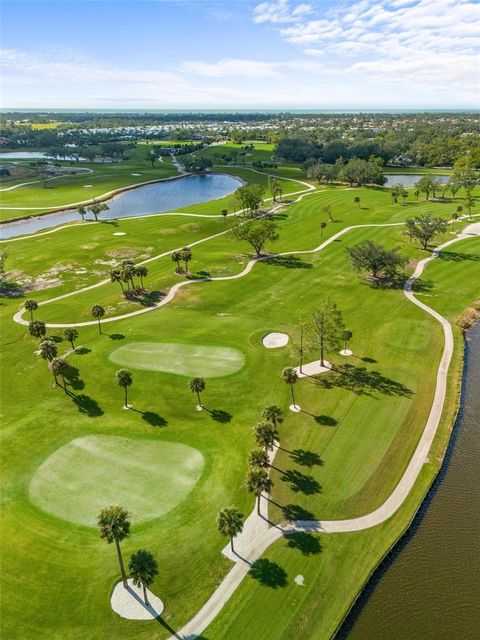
{"points": [[221, 412]]}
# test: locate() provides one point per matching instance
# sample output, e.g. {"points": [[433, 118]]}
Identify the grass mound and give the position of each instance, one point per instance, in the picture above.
{"points": [[149, 477], [182, 359]]}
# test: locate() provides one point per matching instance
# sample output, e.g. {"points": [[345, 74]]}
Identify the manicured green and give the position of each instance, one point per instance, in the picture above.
{"points": [[149, 476], [180, 359]]}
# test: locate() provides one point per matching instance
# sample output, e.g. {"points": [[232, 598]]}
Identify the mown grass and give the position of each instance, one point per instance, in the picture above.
{"points": [[51, 563]]}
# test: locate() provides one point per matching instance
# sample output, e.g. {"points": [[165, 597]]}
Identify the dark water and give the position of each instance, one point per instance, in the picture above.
{"points": [[429, 587], [409, 179], [142, 201]]}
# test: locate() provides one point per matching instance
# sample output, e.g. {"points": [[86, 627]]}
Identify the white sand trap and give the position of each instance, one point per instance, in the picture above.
{"points": [[346, 352], [299, 580], [137, 174], [295, 408], [119, 233], [312, 369], [275, 340], [87, 186], [129, 602]]}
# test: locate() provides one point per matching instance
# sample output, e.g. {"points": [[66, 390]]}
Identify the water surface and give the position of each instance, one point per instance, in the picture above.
{"points": [[409, 179], [140, 201]]}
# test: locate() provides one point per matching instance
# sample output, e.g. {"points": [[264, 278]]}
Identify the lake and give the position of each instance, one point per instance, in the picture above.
{"points": [[409, 179], [430, 586], [140, 201]]}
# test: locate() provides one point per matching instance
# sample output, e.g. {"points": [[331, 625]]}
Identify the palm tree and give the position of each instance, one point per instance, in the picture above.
{"points": [[417, 194], [322, 227], [48, 350], [142, 273], [116, 276], [98, 312], [404, 195], [71, 335], [197, 385], [81, 211], [186, 257], [290, 377], [273, 414], [114, 526], [31, 305], [37, 328], [177, 257], [230, 523], [258, 458], [224, 213], [459, 209], [124, 380], [265, 435], [258, 481], [59, 367], [347, 336], [356, 200], [143, 568]]}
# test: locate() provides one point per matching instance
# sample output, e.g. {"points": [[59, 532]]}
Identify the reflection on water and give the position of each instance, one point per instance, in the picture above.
{"points": [[410, 179], [430, 589], [141, 201]]}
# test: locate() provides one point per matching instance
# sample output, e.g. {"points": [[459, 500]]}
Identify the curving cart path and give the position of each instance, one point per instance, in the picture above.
{"points": [[258, 535]]}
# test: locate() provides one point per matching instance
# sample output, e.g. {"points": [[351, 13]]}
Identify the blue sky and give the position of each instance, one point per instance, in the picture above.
{"points": [[240, 54]]}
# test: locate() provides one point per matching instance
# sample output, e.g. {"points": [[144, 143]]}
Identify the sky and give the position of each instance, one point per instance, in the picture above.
{"points": [[240, 54]]}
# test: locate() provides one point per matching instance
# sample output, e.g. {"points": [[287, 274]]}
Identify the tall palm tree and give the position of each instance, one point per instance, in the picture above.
{"points": [[417, 194], [48, 350], [290, 377], [37, 329], [81, 211], [258, 481], [124, 380], [322, 227], [59, 367], [114, 524], [98, 312], [258, 458], [177, 258], [31, 305], [265, 435], [230, 523], [71, 335], [197, 385], [143, 568], [186, 257], [273, 414], [142, 273], [116, 276], [454, 219], [356, 200]]}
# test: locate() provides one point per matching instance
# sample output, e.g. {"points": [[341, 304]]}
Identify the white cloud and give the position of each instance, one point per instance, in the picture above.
{"points": [[231, 67], [279, 12]]}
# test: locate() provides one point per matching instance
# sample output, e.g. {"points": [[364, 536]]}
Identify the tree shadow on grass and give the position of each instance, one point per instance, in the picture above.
{"points": [[289, 262], [268, 573], [73, 379], [306, 543], [154, 419], [219, 415], [362, 381], [300, 482], [306, 458], [87, 405], [295, 512], [327, 421], [116, 336], [455, 256], [366, 359], [163, 623], [422, 286], [80, 351]]}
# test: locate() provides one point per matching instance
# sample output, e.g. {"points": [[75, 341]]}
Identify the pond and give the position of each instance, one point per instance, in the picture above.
{"points": [[23, 155], [140, 201], [409, 179], [429, 588]]}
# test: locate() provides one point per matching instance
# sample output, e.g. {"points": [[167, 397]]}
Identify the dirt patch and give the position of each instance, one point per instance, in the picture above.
{"points": [[124, 252], [192, 227]]}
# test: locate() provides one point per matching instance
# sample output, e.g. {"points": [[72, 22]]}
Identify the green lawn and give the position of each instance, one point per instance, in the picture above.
{"points": [[362, 425]]}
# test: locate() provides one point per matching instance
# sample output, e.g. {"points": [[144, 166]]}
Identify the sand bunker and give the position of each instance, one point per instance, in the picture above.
{"points": [[275, 340]]}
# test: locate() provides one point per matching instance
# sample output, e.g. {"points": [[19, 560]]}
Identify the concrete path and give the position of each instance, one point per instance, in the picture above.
{"points": [[255, 539]]}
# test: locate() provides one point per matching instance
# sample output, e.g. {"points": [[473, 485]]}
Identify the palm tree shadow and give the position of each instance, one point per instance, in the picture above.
{"points": [[306, 458], [300, 482], [87, 405], [306, 543], [293, 512], [268, 573], [362, 381], [219, 415], [152, 418], [171, 630], [116, 336]]}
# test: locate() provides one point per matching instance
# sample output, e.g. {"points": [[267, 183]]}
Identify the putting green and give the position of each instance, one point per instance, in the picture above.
{"points": [[147, 477], [182, 359]]}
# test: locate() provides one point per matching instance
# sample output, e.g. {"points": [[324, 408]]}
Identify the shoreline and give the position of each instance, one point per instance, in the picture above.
{"points": [[348, 620]]}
